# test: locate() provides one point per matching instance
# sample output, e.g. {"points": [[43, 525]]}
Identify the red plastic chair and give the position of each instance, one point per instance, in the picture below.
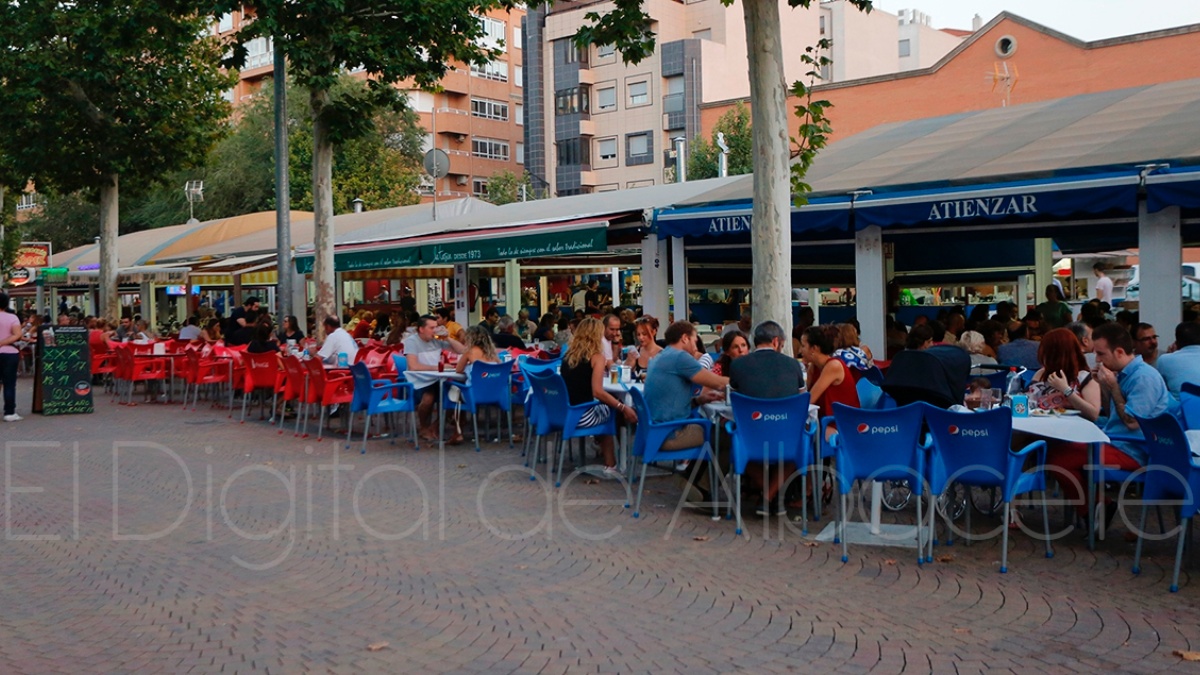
{"points": [[140, 370], [326, 389], [294, 387], [261, 372], [104, 361], [198, 372]]}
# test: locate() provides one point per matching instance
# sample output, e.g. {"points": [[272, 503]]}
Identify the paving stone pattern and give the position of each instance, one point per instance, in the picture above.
{"points": [[264, 562]]}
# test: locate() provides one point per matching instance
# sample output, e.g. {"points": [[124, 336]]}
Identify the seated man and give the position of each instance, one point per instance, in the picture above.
{"points": [[1019, 350], [337, 341], [422, 351], [191, 330], [1182, 363], [767, 373], [1132, 388], [505, 336]]}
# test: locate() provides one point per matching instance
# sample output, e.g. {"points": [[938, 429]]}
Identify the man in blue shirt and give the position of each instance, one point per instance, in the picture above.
{"points": [[1182, 364], [1019, 350], [672, 374]]}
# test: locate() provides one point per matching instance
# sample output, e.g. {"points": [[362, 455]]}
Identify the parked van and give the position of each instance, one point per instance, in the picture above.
{"points": [[1189, 283]]}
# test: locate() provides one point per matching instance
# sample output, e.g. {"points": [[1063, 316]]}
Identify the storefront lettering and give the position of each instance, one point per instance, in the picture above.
{"points": [[729, 225], [985, 206]]}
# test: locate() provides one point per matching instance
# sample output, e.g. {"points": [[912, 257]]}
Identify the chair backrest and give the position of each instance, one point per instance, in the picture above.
{"points": [[362, 386], [262, 370], [550, 395], [490, 382], [922, 375], [770, 429], [316, 376], [296, 376], [400, 362], [879, 444], [1189, 401], [869, 394], [969, 446], [1170, 474]]}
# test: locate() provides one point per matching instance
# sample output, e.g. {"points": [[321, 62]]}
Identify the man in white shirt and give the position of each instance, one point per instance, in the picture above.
{"points": [[423, 351], [579, 300], [1104, 285], [612, 338], [337, 341]]}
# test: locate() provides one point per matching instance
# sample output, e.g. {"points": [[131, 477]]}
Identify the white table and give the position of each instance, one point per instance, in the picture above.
{"points": [[1193, 437], [426, 378], [620, 391]]}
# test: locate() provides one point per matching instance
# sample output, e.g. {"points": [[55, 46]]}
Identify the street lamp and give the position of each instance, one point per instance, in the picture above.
{"points": [[194, 191]]}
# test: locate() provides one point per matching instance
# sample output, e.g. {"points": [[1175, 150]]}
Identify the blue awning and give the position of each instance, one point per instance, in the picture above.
{"points": [[1178, 187], [1025, 201], [827, 213]]}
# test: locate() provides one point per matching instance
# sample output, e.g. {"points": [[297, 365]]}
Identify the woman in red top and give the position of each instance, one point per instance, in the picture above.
{"points": [[829, 381], [362, 330]]}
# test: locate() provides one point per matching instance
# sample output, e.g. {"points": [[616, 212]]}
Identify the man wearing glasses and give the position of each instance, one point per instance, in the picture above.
{"points": [[1145, 343]]}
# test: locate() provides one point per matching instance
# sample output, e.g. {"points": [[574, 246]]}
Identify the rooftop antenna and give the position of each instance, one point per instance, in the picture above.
{"points": [[1001, 77], [194, 191]]}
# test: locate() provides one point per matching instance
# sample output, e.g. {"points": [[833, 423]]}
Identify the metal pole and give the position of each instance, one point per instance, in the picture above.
{"points": [[433, 126], [3, 263], [283, 202]]}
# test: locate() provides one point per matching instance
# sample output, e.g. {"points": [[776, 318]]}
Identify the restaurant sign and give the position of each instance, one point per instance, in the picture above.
{"points": [[33, 254], [511, 248], [376, 259]]}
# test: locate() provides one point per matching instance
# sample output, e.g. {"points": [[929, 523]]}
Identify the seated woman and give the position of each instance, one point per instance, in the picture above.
{"points": [[362, 330], [583, 372], [1064, 382], [545, 329], [290, 330], [646, 329], [733, 345], [142, 331], [479, 347], [829, 379], [974, 344], [212, 331], [850, 351], [264, 340]]}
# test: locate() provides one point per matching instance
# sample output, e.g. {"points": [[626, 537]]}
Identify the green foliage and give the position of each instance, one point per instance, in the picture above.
{"points": [[65, 221], [10, 242], [739, 137], [505, 187], [93, 90], [813, 133]]}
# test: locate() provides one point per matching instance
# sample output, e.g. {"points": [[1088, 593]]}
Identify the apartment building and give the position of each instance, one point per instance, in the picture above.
{"points": [[477, 118], [597, 124]]}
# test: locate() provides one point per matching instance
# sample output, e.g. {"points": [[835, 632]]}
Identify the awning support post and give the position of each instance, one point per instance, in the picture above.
{"points": [[814, 301], [616, 287], [1043, 267], [679, 278], [871, 286], [654, 277], [1160, 248], [512, 287], [461, 311]]}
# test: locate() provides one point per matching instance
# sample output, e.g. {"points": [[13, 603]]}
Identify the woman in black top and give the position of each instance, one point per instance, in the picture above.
{"points": [[290, 330], [264, 341], [583, 372], [545, 329]]}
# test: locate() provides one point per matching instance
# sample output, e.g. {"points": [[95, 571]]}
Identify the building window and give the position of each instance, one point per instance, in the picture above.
{"points": [[27, 201], [573, 100], [639, 93], [520, 153], [573, 152], [489, 109], [519, 76], [518, 38], [606, 99], [494, 31], [605, 51], [821, 25], [606, 149], [479, 187], [571, 53], [492, 70], [259, 52], [519, 115], [639, 149], [905, 48], [489, 148], [225, 23]]}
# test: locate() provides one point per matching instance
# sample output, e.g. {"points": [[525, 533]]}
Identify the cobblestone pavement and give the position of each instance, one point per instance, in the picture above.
{"points": [[162, 540]]}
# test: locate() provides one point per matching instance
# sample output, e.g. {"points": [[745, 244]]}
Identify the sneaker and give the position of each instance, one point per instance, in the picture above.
{"points": [[682, 466], [13, 418], [611, 473], [334, 409]]}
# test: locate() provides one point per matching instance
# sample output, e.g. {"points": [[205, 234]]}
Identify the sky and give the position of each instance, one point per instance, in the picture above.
{"points": [[1083, 19]]}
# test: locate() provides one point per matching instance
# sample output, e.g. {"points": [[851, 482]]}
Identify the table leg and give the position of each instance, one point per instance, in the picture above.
{"points": [[441, 415], [1090, 509], [876, 506]]}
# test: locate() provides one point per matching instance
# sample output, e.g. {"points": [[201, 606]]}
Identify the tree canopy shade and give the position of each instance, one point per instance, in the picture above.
{"points": [[704, 158], [392, 42], [97, 93]]}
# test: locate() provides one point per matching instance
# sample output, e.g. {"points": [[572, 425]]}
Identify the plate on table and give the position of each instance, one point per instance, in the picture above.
{"points": [[1070, 413]]}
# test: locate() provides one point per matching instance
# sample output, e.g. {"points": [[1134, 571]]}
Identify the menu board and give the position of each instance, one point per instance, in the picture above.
{"points": [[63, 384]]}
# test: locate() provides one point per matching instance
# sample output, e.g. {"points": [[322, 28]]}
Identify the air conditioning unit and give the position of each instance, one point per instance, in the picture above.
{"points": [[461, 180]]}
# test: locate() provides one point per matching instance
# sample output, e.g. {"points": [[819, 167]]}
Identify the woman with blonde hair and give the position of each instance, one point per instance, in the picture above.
{"points": [[973, 343], [583, 372], [480, 347]]}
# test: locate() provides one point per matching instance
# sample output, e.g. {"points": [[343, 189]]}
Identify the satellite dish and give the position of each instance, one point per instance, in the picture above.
{"points": [[437, 163]]}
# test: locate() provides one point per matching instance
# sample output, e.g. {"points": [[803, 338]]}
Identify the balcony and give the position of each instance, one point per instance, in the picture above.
{"points": [[453, 121], [586, 76], [588, 178], [674, 115], [457, 81], [587, 127]]}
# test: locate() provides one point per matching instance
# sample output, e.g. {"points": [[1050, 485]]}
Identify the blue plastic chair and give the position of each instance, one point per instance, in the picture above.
{"points": [[770, 431], [881, 445], [378, 397], [489, 384], [648, 440], [1171, 476], [526, 366], [973, 448], [1189, 402], [557, 414]]}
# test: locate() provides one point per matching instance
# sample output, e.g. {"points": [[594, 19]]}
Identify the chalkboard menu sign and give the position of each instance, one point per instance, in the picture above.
{"points": [[63, 384]]}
